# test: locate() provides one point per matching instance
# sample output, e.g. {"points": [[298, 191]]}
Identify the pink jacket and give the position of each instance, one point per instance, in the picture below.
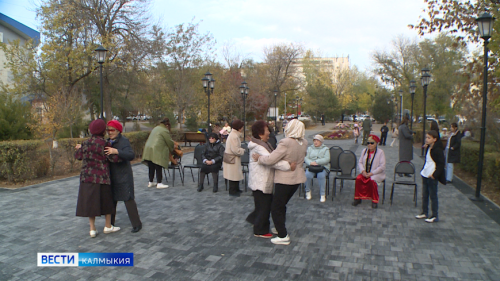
{"points": [[378, 164]]}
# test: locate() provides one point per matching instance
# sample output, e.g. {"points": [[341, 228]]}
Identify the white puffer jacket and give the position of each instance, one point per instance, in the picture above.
{"points": [[261, 177]]}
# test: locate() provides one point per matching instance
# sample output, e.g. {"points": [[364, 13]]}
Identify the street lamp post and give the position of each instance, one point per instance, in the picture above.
{"points": [[401, 105], [275, 112], [244, 93], [426, 79], [413, 87], [208, 85], [101, 57], [297, 106], [485, 24]]}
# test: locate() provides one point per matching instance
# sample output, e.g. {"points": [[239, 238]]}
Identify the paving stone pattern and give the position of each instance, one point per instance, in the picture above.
{"points": [[189, 235]]}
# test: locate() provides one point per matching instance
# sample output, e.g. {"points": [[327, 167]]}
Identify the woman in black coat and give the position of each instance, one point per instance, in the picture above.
{"points": [[212, 157], [452, 151], [122, 178]]}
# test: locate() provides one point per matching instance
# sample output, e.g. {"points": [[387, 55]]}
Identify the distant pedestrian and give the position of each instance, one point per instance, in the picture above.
{"points": [[323, 119], [435, 127], [432, 173], [95, 197], [395, 137], [157, 152], [452, 150], [355, 132], [405, 141], [383, 133], [367, 128]]}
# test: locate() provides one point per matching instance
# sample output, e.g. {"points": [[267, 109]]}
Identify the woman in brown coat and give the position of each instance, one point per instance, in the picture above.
{"points": [[293, 149], [232, 171], [95, 197]]}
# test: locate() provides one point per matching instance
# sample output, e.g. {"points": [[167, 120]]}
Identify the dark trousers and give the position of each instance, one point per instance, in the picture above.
{"points": [[383, 138], [282, 194], [133, 214], [215, 177], [260, 216], [365, 136], [234, 187], [152, 169], [430, 189]]}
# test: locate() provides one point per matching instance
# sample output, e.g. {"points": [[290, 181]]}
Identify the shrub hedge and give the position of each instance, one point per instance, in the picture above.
{"points": [[469, 159]]}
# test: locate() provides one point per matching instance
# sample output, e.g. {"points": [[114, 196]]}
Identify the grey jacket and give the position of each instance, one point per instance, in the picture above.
{"points": [[405, 143]]}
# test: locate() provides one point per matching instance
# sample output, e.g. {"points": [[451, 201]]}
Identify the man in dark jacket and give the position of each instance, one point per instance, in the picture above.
{"points": [[367, 127], [452, 150], [212, 157], [122, 177], [383, 134]]}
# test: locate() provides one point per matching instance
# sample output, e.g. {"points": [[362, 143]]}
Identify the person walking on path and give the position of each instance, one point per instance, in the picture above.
{"points": [[157, 152], [318, 154], [292, 149], [405, 141], [367, 128], [372, 167], [232, 158], [95, 197], [323, 119], [452, 150], [383, 134], [122, 177], [432, 173], [261, 178], [212, 161], [355, 132]]}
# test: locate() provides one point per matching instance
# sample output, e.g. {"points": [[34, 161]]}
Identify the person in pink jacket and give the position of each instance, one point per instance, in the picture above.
{"points": [[372, 167], [293, 149]]}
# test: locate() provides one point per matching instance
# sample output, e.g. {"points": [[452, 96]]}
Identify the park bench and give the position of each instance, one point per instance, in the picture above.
{"points": [[194, 137]]}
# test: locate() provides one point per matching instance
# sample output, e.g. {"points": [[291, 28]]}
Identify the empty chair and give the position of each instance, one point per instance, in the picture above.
{"points": [[334, 164], [197, 161], [404, 167], [347, 164], [173, 167]]}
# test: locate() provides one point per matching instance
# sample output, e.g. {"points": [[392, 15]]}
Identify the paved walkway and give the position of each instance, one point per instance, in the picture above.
{"points": [[203, 236]]}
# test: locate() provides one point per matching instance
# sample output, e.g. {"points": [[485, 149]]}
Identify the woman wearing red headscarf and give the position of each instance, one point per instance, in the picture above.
{"points": [[372, 167], [122, 177], [95, 197]]}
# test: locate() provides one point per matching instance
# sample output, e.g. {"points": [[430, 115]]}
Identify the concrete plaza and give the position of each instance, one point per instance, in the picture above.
{"points": [[189, 235]]}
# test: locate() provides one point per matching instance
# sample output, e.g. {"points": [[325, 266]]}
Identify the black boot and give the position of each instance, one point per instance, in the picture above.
{"points": [[201, 180], [200, 188], [374, 205], [356, 202]]}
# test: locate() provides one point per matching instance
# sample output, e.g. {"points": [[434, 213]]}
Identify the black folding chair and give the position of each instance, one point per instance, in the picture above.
{"points": [[348, 164], [334, 164], [197, 161], [173, 168], [403, 168]]}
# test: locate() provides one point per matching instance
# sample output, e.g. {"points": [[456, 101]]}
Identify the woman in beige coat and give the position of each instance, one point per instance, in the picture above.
{"points": [[293, 149], [232, 169]]}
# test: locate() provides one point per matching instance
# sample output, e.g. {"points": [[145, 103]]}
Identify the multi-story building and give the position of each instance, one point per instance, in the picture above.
{"points": [[333, 65], [11, 30]]}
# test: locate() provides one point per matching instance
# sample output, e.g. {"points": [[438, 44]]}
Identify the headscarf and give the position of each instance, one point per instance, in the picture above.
{"points": [[295, 130]]}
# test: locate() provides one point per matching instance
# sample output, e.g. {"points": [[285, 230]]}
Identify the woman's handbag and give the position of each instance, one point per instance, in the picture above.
{"points": [[315, 168], [176, 154], [229, 158]]}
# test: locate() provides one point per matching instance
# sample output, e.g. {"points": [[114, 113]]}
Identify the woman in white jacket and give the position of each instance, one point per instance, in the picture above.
{"points": [[261, 179]]}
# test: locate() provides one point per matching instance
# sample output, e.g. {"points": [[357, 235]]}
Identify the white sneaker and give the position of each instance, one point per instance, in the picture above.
{"points": [[93, 233], [161, 185], [322, 199], [274, 231], [151, 184], [308, 195], [281, 241], [111, 229]]}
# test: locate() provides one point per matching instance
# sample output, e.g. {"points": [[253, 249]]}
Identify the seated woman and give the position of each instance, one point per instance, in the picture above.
{"points": [[372, 167], [317, 155], [212, 160]]}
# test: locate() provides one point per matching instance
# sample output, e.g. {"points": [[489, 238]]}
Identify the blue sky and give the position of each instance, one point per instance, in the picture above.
{"points": [[332, 27]]}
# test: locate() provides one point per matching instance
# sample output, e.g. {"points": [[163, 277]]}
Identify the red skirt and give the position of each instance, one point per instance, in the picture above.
{"points": [[365, 189]]}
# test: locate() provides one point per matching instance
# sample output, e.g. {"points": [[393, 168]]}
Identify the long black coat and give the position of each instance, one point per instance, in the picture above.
{"points": [[437, 155], [122, 178], [454, 154]]}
